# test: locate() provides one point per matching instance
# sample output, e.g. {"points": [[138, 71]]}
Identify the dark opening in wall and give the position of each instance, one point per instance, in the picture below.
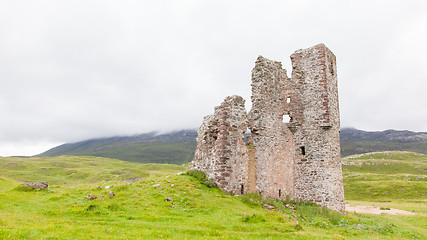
{"points": [[242, 189], [286, 118], [331, 67], [302, 150], [280, 192], [247, 135]]}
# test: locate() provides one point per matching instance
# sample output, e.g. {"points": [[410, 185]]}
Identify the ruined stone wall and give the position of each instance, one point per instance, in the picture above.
{"points": [[300, 158], [272, 140], [318, 174], [221, 152]]}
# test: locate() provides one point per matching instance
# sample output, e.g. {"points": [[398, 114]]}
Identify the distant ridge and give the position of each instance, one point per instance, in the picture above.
{"points": [[178, 147], [354, 141], [174, 148]]}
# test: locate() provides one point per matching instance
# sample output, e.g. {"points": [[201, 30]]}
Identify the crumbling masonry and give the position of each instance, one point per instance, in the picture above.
{"points": [[293, 149]]}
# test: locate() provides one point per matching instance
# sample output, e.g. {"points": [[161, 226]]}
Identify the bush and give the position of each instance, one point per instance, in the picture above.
{"points": [[201, 176], [209, 182], [253, 218]]}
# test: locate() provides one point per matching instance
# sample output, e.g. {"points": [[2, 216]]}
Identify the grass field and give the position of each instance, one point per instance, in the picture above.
{"points": [[183, 208], [389, 180], [386, 177]]}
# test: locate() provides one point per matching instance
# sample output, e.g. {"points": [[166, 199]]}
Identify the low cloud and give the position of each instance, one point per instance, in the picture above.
{"points": [[83, 69]]}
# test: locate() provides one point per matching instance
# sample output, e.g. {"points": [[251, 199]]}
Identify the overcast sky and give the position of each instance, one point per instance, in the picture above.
{"points": [[73, 70]]}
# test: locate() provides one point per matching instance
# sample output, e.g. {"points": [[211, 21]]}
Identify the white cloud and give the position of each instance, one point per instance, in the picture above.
{"points": [[26, 148], [80, 69]]}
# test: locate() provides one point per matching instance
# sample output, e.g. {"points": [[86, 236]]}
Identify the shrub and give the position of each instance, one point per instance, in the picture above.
{"points": [[209, 182], [201, 176], [253, 218]]}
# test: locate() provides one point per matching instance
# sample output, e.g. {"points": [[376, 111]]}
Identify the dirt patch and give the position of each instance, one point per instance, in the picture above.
{"points": [[376, 210]]}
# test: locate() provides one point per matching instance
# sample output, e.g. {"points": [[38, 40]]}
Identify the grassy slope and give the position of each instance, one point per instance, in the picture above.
{"points": [[389, 179], [140, 211], [386, 176], [362, 146], [171, 153], [173, 148]]}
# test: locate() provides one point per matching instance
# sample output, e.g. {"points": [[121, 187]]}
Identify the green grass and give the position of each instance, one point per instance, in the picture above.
{"points": [[154, 152], [389, 180], [386, 176], [354, 146], [140, 211], [76, 169]]}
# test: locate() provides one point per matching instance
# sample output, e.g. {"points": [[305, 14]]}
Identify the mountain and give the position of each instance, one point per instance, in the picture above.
{"points": [[178, 147], [174, 148], [354, 141]]}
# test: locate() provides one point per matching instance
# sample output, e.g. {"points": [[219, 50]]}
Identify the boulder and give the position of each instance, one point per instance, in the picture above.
{"points": [[36, 185], [91, 197]]}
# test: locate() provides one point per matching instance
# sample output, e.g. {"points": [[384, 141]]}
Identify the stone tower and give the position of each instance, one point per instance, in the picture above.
{"points": [[293, 150], [316, 124]]}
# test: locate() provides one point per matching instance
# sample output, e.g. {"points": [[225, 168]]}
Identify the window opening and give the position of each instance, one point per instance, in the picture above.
{"points": [[247, 134], [280, 192], [241, 189], [286, 118], [303, 150], [288, 99]]}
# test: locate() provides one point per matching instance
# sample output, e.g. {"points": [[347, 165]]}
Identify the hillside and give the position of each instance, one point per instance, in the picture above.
{"points": [[153, 202], [178, 147], [173, 148], [355, 141]]}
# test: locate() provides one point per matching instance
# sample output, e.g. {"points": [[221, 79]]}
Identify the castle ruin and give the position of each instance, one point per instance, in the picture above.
{"points": [[293, 149]]}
